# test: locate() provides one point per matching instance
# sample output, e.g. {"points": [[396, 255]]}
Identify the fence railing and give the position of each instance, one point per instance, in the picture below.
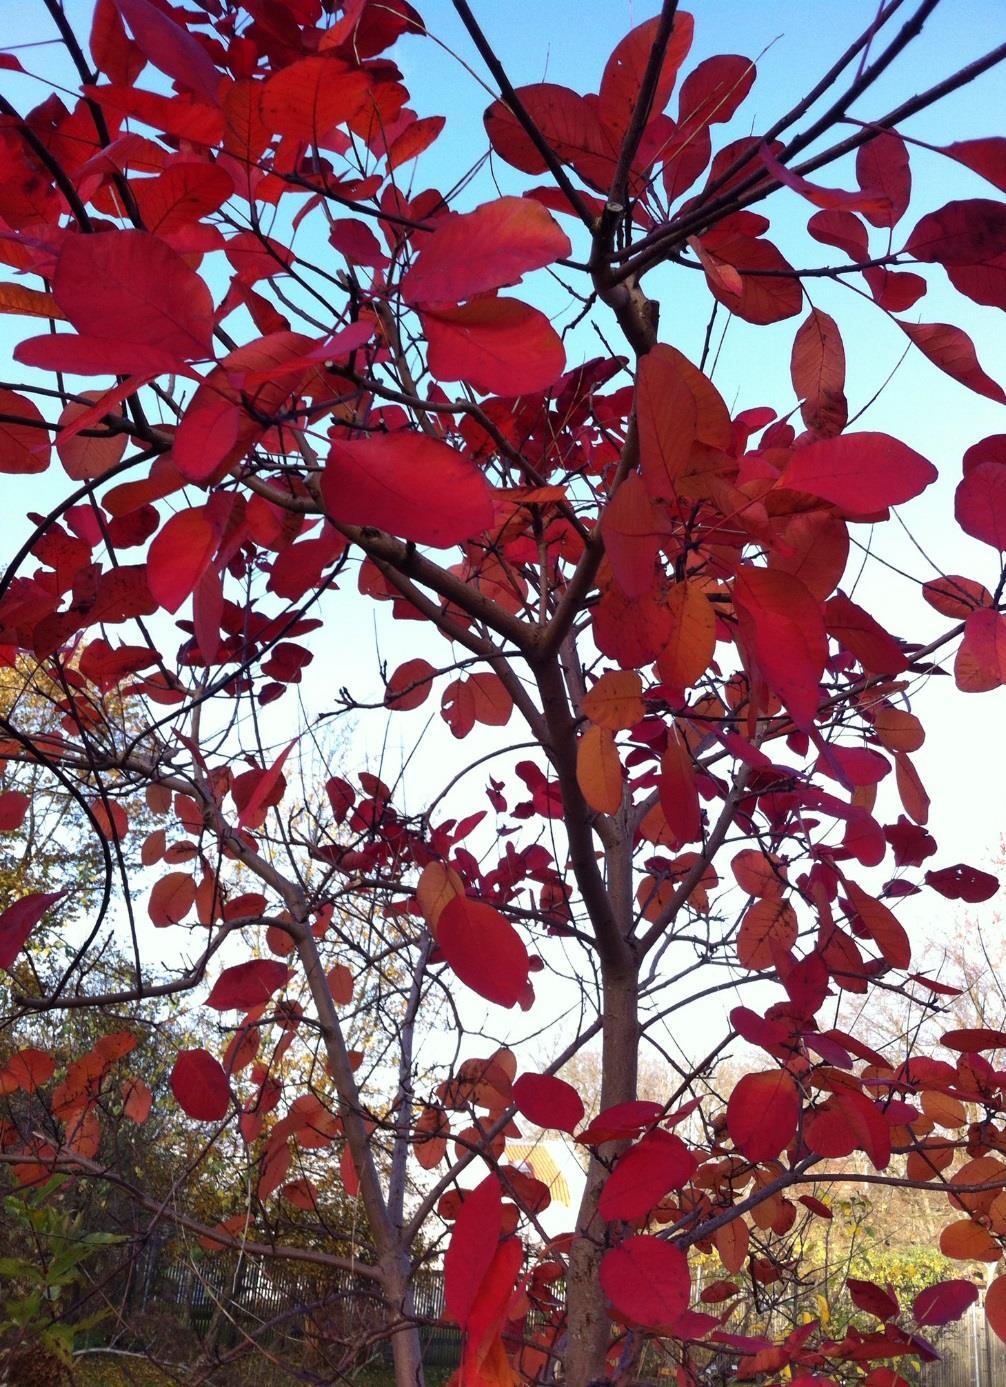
{"points": [[265, 1300]]}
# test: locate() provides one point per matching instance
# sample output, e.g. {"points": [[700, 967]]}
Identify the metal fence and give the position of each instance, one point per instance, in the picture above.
{"points": [[972, 1355], [268, 1301]]}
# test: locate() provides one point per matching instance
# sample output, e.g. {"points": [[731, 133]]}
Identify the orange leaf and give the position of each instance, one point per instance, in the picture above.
{"points": [[966, 1241], [768, 926], [732, 1241], [817, 368], [881, 925], [438, 884], [33, 303], [995, 1306], [686, 656], [616, 700], [599, 770]]}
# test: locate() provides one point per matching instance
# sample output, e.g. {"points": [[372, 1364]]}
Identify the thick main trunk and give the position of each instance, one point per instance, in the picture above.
{"points": [[588, 1324], [406, 1349]]}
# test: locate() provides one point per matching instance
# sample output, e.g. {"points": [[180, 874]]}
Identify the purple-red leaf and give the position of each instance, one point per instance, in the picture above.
{"points": [[500, 346], [408, 484], [882, 170], [178, 557], [200, 1086], [762, 1114], [952, 350], [484, 950], [963, 883], [471, 252], [944, 1302], [548, 1101], [861, 472], [980, 503], [18, 921], [647, 1281], [171, 48], [658, 1163], [247, 985], [971, 232], [128, 286]]}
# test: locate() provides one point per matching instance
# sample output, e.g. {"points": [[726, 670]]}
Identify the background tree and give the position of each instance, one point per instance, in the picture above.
{"points": [[302, 393]]}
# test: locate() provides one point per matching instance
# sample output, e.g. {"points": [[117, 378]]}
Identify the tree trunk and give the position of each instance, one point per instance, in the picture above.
{"points": [[588, 1324], [406, 1349]]}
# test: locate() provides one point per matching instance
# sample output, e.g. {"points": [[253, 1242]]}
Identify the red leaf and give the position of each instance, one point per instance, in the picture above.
{"points": [[182, 194], [647, 1281], [24, 448], [247, 985], [408, 484], [547, 1101], [986, 157], [980, 503], [308, 98], [658, 1163], [171, 48], [500, 346], [667, 412], [873, 1299], [625, 69], [963, 883], [961, 233], [712, 92], [841, 229], [881, 925], [128, 286], [944, 1302], [29, 1069], [783, 627], [761, 298], [138, 1100], [472, 1247], [633, 528], [172, 898], [955, 596], [621, 1120], [484, 950], [861, 472], [174, 115], [980, 662], [178, 557], [87, 458], [679, 796], [264, 794], [995, 1306], [872, 205], [974, 1040], [200, 1086], [411, 142], [18, 921], [882, 169], [409, 686], [762, 1114], [817, 369], [855, 629], [849, 1122], [895, 291], [93, 356], [471, 252], [13, 807], [952, 350], [568, 122]]}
